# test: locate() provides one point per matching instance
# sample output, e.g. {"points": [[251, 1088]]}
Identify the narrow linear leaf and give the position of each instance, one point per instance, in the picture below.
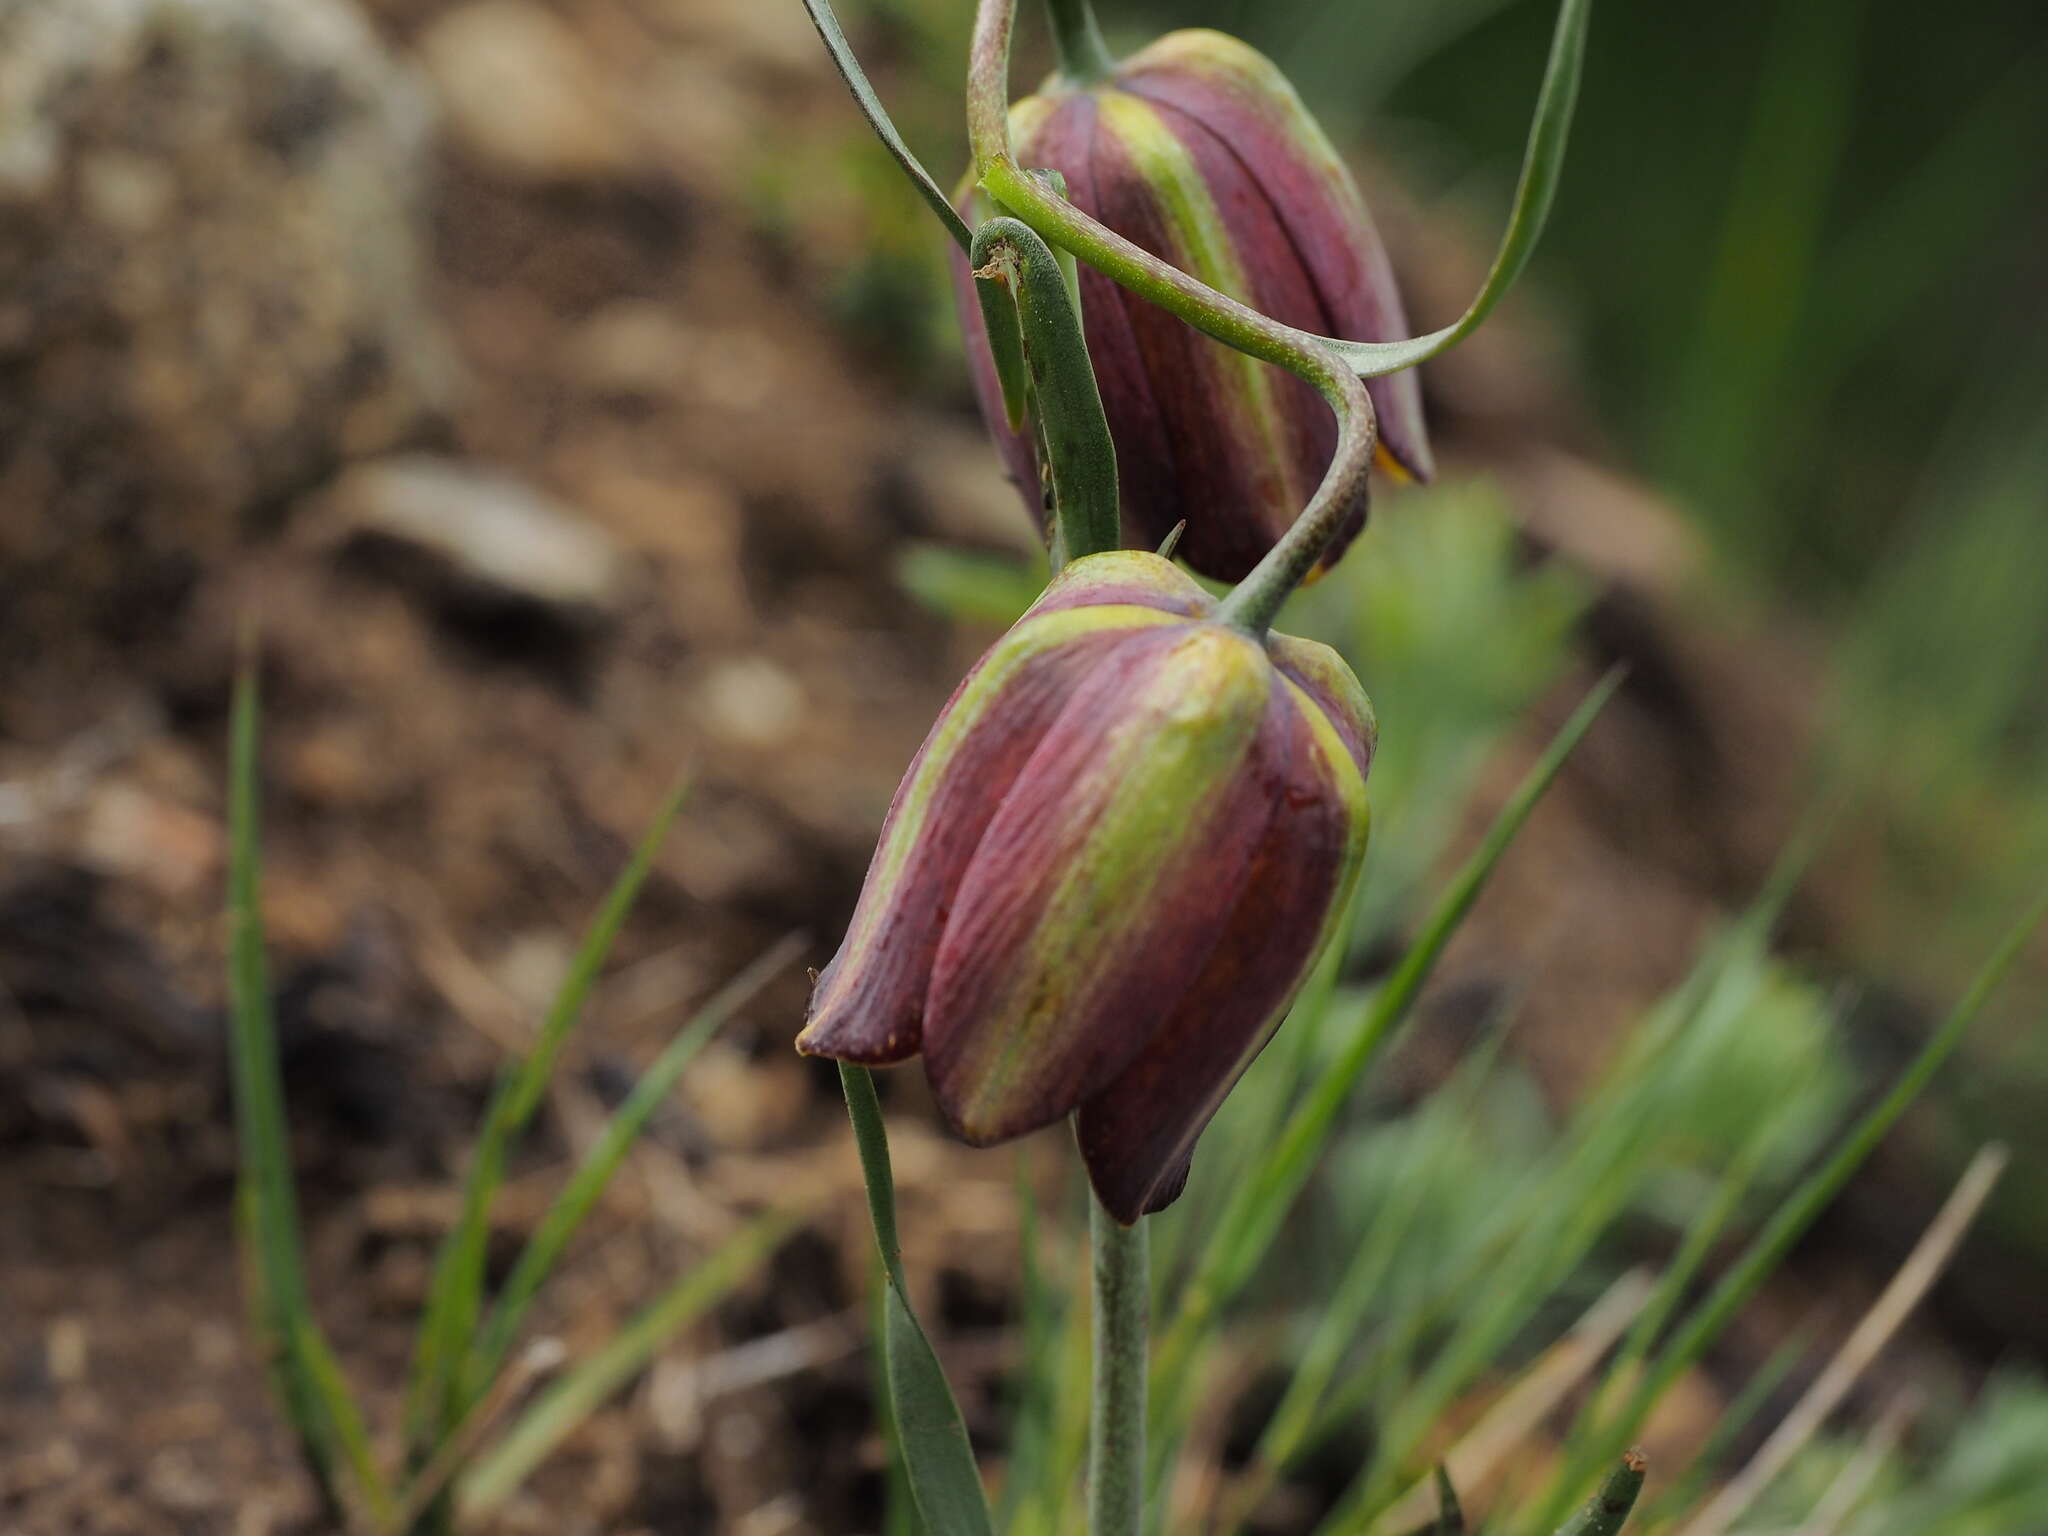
{"points": [[317, 1400], [878, 119], [556, 1413], [943, 1478], [436, 1397], [1608, 1510], [1079, 457], [1733, 1423], [1450, 1518], [1542, 168], [1797, 1213], [551, 1238], [974, 588], [994, 280], [1246, 1228]]}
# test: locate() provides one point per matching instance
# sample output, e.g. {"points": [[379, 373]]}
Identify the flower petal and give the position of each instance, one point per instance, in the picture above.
{"points": [[1101, 881], [868, 1004], [1240, 94], [1126, 576], [1138, 1134]]}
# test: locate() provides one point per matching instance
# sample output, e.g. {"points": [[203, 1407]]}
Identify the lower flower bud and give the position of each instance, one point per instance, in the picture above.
{"points": [[1107, 873]]}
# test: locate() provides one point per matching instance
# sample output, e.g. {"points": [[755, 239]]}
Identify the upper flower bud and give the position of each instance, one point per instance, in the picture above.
{"points": [[1107, 872], [1199, 150]]}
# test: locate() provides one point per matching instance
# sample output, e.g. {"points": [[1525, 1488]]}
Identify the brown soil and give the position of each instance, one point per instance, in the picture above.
{"points": [[453, 779]]}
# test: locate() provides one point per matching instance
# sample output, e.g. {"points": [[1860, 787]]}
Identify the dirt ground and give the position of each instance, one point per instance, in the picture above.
{"points": [[457, 761]]}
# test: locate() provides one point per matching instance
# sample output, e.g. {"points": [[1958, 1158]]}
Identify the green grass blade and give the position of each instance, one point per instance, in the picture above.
{"points": [[1608, 1510], [1261, 1202], [1542, 168], [316, 1399], [970, 587], [1733, 1421], [943, 1478], [1798, 1212], [556, 1413], [551, 1238], [1345, 1314], [877, 115], [436, 1399], [1028, 1465]]}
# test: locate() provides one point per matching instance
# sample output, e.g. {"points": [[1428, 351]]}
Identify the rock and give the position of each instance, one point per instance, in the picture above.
{"points": [[523, 95], [210, 286], [750, 701], [480, 529]]}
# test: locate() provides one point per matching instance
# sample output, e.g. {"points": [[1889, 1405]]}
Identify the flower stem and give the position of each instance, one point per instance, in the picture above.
{"points": [[1258, 597], [1084, 57], [1116, 1443]]}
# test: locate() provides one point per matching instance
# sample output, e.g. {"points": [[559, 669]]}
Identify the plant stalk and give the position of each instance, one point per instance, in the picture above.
{"points": [[1084, 57], [1116, 1442]]}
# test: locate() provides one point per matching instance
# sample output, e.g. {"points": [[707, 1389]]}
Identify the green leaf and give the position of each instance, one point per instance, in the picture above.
{"points": [[551, 1238], [437, 1396], [878, 119], [1542, 168], [565, 1404], [967, 587], [1607, 1511], [936, 1453], [1079, 458], [1450, 1517], [316, 1399]]}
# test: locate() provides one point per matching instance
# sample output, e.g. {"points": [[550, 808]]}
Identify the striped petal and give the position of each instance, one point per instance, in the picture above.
{"points": [[868, 1004], [1137, 1135], [1103, 880], [1242, 97], [1239, 470], [1133, 576]]}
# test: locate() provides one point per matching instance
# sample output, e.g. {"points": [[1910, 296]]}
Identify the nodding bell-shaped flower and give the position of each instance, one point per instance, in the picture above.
{"points": [[1107, 873], [1199, 150]]}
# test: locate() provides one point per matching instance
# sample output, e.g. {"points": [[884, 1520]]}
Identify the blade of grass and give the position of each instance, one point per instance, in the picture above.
{"points": [[1854, 1482], [574, 1396], [437, 1397], [1729, 1427], [1343, 1315], [551, 1238], [1028, 1465], [1261, 1202], [1694, 1249], [1798, 1212], [1608, 1510], [1922, 1268], [1520, 1411], [318, 1402], [943, 1477]]}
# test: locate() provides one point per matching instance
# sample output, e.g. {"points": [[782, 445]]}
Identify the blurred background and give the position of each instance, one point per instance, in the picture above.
{"points": [[566, 393]]}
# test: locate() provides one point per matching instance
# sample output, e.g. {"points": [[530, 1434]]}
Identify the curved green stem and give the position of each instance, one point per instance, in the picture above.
{"points": [[1223, 317], [1116, 1442], [1084, 57], [1256, 599]]}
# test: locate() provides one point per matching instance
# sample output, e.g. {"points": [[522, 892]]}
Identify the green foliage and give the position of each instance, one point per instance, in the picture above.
{"points": [[937, 1459], [463, 1381], [1453, 637]]}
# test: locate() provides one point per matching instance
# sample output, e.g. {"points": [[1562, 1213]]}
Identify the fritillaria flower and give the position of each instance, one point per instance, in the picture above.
{"points": [[1199, 150], [1107, 873]]}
